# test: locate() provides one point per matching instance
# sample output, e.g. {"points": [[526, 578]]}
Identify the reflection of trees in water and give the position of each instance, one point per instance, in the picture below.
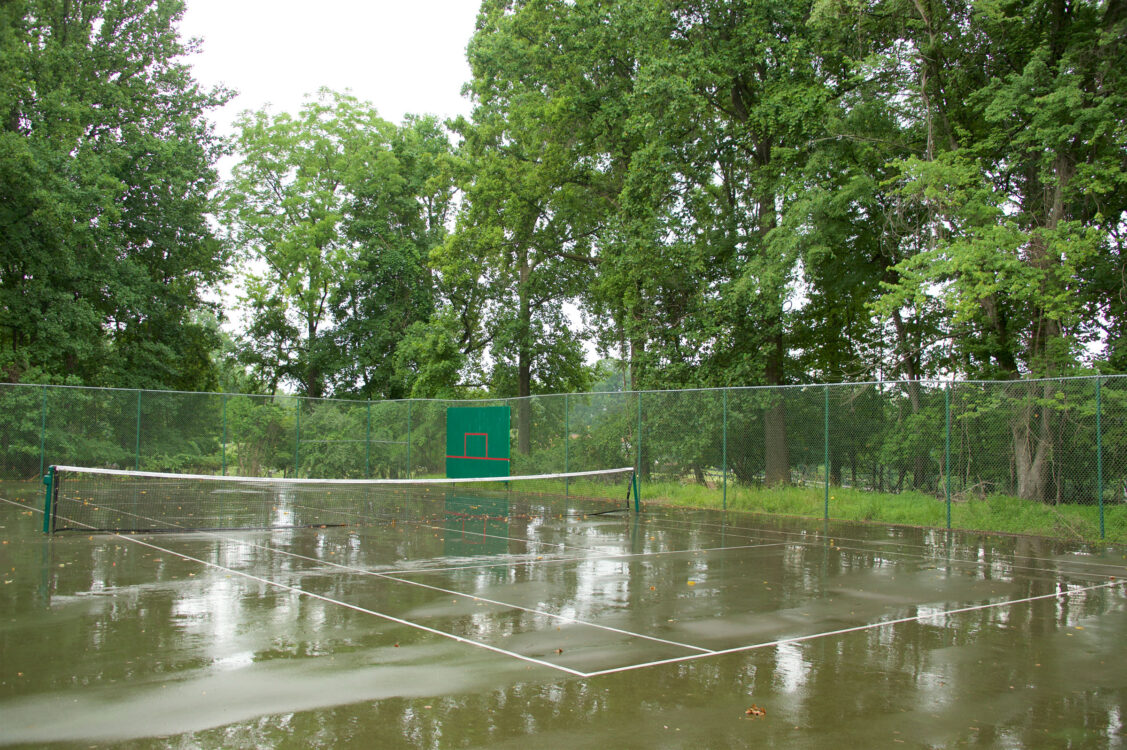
{"points": [[936, 678]]}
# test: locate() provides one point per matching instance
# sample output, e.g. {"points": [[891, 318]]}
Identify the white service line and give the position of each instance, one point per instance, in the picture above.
{"points": [[843, 631], [586, 558], [357, 608], [452, 592], [483, 535]]}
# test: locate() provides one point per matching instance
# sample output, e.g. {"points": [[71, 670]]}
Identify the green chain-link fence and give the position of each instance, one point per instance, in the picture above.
{"points": [[1040, 456]]}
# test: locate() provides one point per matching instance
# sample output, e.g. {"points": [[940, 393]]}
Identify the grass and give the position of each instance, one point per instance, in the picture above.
{"points": [[996, 513]]}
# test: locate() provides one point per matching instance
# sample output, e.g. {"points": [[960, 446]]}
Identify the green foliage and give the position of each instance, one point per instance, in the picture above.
{"points": [[335, 211], [106, 162], [261, 433]]}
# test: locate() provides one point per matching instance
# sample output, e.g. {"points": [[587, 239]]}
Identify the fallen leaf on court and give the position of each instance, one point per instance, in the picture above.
{"points": [[559, 650], [755, 711], [692, 583], [397, 645], [653, 588]]}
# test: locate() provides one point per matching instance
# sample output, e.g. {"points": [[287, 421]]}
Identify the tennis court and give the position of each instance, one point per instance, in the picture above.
{"points": [[456, 623]]}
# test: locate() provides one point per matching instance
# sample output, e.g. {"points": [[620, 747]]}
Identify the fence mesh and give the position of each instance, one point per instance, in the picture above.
{"points": [[1035, 456]]}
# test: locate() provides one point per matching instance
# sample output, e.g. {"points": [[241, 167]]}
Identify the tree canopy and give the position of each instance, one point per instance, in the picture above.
{"points": [[707, 192], [106, 166]]}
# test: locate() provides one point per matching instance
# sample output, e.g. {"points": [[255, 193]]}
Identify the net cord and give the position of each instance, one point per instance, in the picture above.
{"points": [[299, 480]]}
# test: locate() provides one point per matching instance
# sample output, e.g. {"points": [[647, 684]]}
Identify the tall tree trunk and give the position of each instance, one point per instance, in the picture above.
{"points": [[524, 363], [1032, 446], [909, 368], [777, 455], [1032, 430]]}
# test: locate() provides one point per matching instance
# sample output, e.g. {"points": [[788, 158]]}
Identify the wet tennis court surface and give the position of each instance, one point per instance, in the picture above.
{"points": [[669, 628]]}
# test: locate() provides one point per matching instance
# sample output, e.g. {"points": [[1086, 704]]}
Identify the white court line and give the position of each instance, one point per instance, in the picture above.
{"points": [[586, 558], [451, 592], [346, 605], [426, 525], [843, 631], [630, 667], [753, 533]]}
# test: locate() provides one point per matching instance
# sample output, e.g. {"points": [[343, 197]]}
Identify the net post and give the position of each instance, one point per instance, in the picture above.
{"points": [[947, 449], [297, 436], [724, 448], [637, 490], [1099, 455], [43, 434], [408, 440], [48, 516], [826, 451], [224, 470], [137, 458], [368, 442]]}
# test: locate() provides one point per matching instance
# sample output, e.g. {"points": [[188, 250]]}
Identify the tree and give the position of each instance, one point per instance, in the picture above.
{"points": [[335, 211], [402, 198], [525, 231], [1029, 133], [106, 164]]}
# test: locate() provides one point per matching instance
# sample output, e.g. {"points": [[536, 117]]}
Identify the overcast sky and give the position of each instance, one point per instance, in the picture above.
{"points": [[403, 56]]}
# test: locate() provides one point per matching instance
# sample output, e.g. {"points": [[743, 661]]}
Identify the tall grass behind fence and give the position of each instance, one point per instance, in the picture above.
{"points": [[945, 449]]}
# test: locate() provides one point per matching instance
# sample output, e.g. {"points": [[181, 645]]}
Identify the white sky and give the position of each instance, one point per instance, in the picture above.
{"points": [[403, 56]]}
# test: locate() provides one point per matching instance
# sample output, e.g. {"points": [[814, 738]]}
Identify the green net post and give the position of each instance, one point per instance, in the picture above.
{"points": [[724, 448], [137, 459], [637, 492], [1099, 456], [567, 442], [947, 449], [297, 437], [826, 452], [224, 470], [49, 481], [408, 439], [368, 441], [43, 434]]}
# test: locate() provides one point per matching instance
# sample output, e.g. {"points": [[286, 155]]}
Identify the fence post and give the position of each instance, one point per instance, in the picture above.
{"points": [[724, 448], [639, 471], [224, 434], [1099, 455], [297, 436], [826, 452], [43, 436], [567, 442], [947, 449], [137, 459], [408, 440], [368, 441]]}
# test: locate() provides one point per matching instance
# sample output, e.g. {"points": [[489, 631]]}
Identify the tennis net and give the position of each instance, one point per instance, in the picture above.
{"points": [[111, 500]]}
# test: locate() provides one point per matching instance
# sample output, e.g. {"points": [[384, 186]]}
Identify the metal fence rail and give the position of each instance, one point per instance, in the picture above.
{"points": [[1055, 443]]}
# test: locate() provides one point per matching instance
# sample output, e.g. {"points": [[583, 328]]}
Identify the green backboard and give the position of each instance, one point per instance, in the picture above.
{"points": [[477, 441]]}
